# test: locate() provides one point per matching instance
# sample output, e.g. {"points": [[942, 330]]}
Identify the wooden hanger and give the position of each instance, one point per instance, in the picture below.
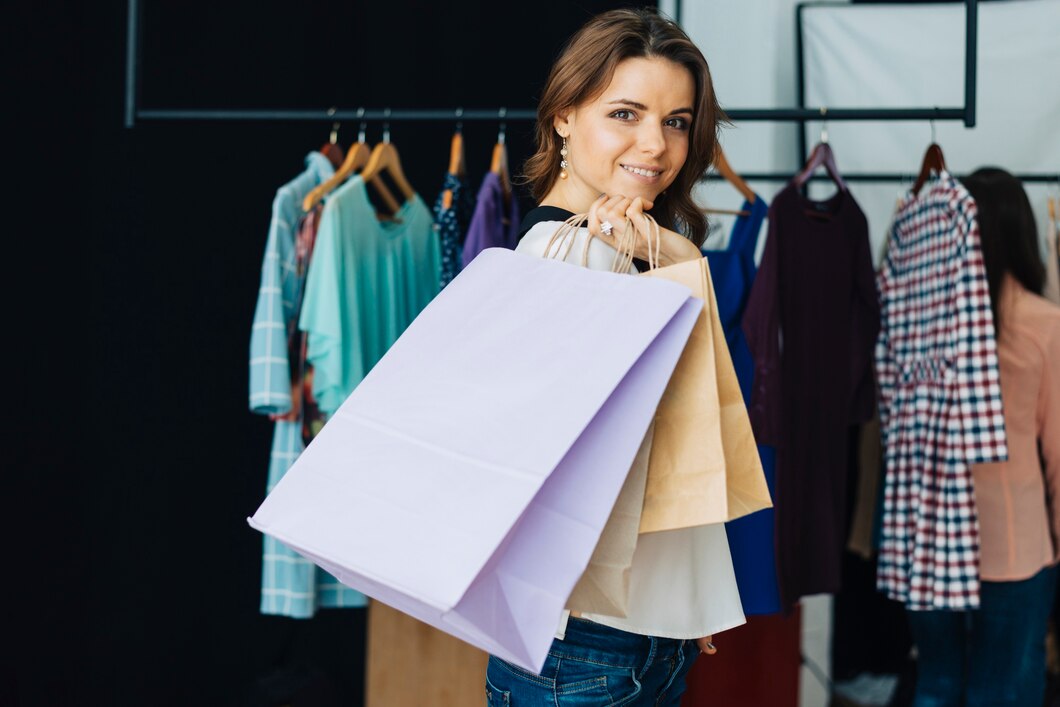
{"points": [[457, 166], [356, 158], [822, 156], [499, 166], [385, 158], [333, 151], [499, 160], [727, 212], [724, 169], [933, 161]]}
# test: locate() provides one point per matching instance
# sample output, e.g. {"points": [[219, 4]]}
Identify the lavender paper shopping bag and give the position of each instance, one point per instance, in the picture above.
{"points": [[468, 477]]}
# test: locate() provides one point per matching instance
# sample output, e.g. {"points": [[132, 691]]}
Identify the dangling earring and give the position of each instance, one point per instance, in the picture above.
{"points": [[563, 164]]}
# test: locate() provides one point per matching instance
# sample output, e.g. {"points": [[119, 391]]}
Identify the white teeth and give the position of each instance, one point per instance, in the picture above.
{"points": [[641, 172]]}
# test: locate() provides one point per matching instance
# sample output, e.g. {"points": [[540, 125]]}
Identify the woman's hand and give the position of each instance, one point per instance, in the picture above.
{"points": [[673, 247], [706, 645]]}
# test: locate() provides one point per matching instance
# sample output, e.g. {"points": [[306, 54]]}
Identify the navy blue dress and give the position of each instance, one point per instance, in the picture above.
{"points": [[751, 538]]}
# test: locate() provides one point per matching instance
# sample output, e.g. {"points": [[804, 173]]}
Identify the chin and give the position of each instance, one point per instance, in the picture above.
{"points": [[633, 191], [634, 187]]}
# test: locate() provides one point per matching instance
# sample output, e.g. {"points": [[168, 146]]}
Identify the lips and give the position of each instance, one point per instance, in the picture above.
{"points": [[642, 171]]}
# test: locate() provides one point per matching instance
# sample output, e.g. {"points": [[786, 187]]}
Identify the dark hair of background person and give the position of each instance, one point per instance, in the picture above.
{"points": [[583, 71], [1007, 231]]}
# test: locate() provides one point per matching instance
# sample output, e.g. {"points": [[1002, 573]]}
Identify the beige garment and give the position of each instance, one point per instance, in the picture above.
{"points": [[681, 585], [604, 587], [411, 664], [1017, 500], [870, 462]]}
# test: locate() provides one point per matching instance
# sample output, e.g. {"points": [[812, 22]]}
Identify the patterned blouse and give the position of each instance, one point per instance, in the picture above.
{"points": [[940, 399], [451, 224]]}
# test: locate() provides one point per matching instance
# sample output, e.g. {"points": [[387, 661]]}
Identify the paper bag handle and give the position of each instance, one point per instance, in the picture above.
{"points": [[562, 241]]}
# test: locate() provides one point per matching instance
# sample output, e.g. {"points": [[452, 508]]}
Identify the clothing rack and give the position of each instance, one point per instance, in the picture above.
{"points": [[801, 114], [878, 177]]}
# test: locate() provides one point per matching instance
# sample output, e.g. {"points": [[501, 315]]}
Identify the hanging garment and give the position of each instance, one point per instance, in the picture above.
{"points": [[290, 584], [451, 224], [811, 321], [1052, 261], [1013, 498], [863, 523], [751, 539], [367, 282], [494, 224], [681, 582], [940, 399], [275, 316]]}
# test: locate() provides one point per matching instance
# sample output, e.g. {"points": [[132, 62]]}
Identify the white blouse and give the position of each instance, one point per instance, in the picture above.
{"points": [[682, 583]]}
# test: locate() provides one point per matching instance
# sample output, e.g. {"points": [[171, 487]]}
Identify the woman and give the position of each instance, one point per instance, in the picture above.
{"points": [[996, 654], [627, 124]]}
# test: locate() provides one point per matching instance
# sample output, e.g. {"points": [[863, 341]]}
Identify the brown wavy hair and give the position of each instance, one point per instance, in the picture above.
{"points": [[584, 70]]}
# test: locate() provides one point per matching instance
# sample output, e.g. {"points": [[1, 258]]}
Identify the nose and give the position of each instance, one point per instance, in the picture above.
{"points": [[651, 140]]}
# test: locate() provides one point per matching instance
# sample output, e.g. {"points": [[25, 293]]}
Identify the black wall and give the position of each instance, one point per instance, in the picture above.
{"points": [[133, 258]]}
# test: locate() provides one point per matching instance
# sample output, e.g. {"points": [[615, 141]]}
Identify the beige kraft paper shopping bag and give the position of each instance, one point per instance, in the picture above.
{"points": [[704, 466]]}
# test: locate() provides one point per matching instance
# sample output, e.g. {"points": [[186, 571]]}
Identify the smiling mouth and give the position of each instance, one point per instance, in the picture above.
{"points": [[642, 172]]}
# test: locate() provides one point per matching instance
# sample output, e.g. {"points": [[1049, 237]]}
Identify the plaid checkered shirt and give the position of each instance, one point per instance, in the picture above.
{"points": [[940, 399]]}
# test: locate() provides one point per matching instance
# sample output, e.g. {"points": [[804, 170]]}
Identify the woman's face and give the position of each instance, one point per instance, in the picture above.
{"points": [[633, 138]]}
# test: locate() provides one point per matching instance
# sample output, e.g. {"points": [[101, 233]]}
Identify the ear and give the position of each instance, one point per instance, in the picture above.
{"points": [[563, 122]]}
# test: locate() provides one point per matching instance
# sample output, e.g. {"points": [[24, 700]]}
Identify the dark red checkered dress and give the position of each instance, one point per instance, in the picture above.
{"points": [[940, 399]]}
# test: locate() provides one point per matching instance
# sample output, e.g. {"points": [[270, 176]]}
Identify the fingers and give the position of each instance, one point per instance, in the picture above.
{"points": [[594, 214], [639, 205], [706, 645], [636, 209], [614, 210]]}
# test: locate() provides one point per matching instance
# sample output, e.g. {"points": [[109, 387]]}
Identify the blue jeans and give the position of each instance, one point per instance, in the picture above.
{"points": [[994, 655], [596, 666]]}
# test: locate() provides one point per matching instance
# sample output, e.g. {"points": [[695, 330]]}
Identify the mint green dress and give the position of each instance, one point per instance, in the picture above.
{"points": [[367, 281]]}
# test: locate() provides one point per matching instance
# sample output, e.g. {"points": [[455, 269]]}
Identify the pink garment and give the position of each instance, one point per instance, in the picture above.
{"points": [[1052, 260], [1018, 531]]}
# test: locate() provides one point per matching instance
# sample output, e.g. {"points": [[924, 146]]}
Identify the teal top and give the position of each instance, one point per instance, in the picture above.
{"points": [[367, 281]]}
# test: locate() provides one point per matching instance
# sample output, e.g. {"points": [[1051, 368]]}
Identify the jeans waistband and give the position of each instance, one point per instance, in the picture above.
{"points": [[588, 640]]}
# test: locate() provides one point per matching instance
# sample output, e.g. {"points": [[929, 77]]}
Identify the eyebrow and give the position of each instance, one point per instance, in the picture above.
{"points": [[641, 106]]}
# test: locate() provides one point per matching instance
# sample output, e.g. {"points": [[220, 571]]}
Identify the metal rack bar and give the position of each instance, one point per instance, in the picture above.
{"points": [[801, 114], [967, 113], [132, 62], [864, 177], [373, 115], [971, 45], [527, 114]]}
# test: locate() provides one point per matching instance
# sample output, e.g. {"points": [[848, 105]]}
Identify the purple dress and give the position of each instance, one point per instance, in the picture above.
{"points": [[494, 223], [811, 324]]}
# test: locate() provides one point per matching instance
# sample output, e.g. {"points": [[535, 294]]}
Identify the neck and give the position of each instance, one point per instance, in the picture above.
{"points": [[574, 196]]}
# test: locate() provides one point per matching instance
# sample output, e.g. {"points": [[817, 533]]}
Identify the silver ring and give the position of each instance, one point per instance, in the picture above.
{"points": [[606, 228]]}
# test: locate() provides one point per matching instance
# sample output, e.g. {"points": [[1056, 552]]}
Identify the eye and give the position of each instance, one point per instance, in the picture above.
{"points": [[678, 123], [623, 115]]}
